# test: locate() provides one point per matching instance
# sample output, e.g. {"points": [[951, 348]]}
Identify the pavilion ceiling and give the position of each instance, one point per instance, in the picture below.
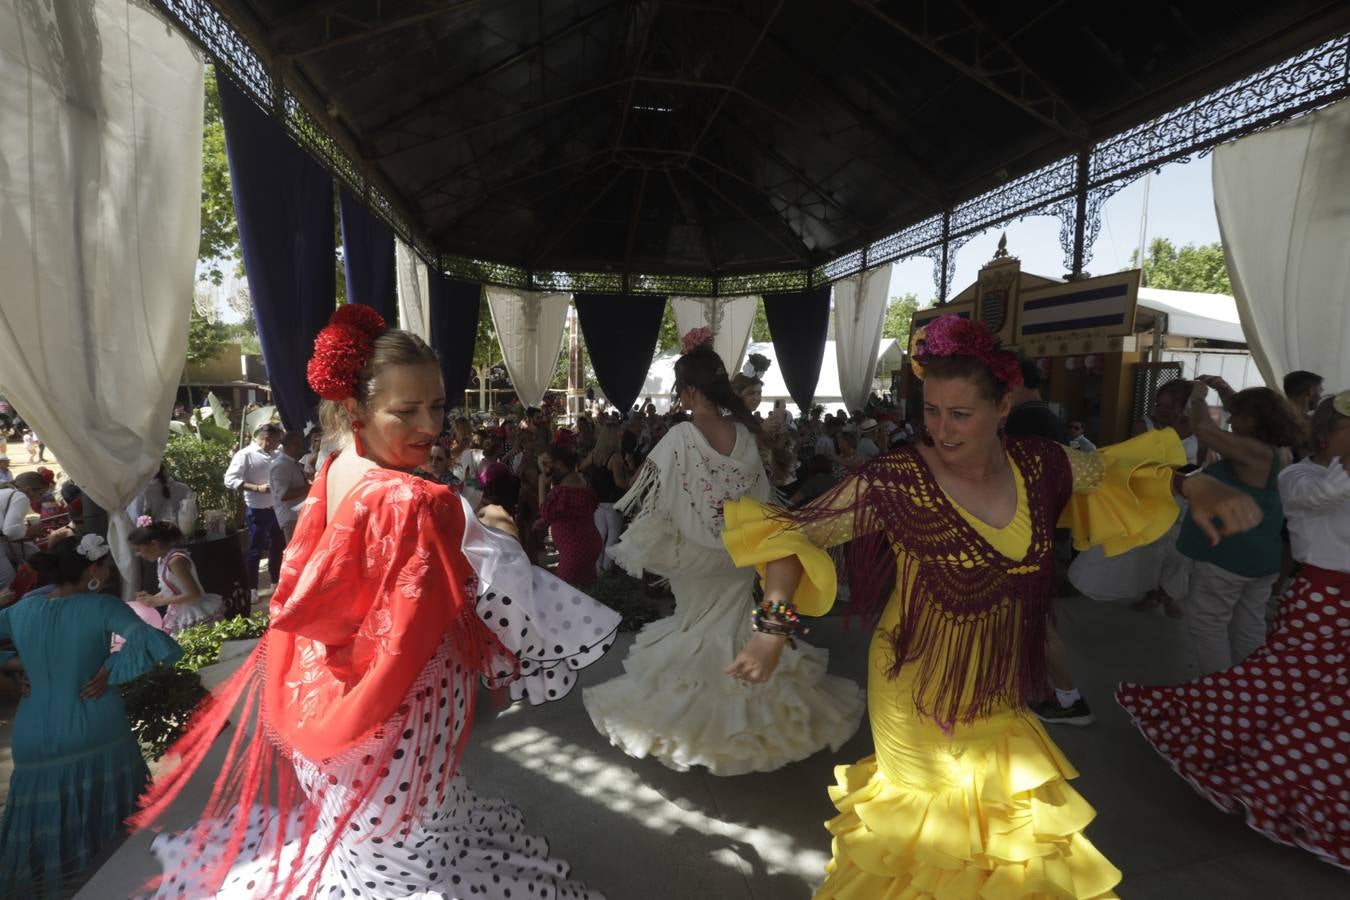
{"points": [[717, 138]]}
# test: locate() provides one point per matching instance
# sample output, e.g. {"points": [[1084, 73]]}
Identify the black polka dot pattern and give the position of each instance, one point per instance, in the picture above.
{"points": [[458, 846]]}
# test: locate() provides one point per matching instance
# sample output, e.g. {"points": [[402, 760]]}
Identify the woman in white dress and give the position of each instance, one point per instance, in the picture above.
{"points": [[350, 717], [674, 701], [185, 601]]}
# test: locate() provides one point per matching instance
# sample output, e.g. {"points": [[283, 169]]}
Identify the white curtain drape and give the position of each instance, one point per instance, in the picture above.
{"points": [[100, 205], [530, 330], [413, 290], [730, 319], [1283, 203], [859, 310]]}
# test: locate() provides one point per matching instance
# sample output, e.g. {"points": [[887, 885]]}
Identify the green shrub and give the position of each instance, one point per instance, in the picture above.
{"points": [[201, 465], [201, 643], [159, 703]]}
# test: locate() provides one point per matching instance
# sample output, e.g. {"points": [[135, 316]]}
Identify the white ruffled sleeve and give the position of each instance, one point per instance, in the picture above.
{"points": [[553, 629]]}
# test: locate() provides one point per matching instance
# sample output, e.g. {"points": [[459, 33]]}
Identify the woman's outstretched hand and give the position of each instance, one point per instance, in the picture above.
{"points": [[1218, 509], [757, 659]]}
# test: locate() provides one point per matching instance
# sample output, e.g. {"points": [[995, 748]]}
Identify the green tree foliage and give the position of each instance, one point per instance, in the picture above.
{"points": [[899, 312], [219, 245], [759, 329], [670, 335], [1189, 268], [201, 465], [205, 338]]}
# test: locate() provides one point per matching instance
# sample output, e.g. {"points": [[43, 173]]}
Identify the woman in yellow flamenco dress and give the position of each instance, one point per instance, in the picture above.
{"points": [[966, 795]]}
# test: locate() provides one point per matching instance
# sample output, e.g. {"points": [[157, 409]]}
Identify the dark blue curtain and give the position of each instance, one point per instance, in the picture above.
{"points": [[798, 324], [368, 257], [620, 332], [453, 317], [283, 201]]}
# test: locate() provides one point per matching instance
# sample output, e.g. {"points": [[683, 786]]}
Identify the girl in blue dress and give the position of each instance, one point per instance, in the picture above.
{"points": [[77, 768]]}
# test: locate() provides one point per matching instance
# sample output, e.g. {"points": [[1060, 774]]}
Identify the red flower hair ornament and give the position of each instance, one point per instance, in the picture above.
{"points": [[342, 350], [951, 335]]}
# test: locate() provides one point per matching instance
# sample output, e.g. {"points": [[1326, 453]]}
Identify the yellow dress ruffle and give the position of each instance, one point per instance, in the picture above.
{"points": [[985, 811]]}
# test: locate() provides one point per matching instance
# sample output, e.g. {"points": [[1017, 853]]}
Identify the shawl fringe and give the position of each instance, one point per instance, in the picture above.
{"points": [[973, 627]]}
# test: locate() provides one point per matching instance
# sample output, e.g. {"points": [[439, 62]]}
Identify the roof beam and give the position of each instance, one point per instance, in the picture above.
{"points": [[439, 101], [634, 220], [488, 123], [1018, 85], [575, 220], [735, 79], [378, 25], [701, 221], [796, 246], [919, 170]]}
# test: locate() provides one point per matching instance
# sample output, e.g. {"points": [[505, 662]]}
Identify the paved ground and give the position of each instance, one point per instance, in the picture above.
{"points": [[641, 832]]}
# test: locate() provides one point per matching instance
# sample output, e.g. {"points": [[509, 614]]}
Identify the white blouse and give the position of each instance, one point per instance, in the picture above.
{"points": [[1317, 505]]}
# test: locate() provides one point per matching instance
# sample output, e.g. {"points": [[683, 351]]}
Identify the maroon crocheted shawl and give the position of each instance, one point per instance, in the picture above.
{"points": [[973, 629]]}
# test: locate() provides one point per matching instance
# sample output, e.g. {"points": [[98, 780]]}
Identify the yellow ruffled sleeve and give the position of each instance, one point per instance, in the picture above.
{"points": [[1122, 494], [754, 536]]}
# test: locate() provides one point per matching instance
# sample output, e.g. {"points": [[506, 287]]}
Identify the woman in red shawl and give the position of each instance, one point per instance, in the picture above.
{"points": [[350, 717]]}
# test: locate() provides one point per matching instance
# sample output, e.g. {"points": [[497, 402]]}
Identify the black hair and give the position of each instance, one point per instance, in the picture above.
{"points": [[45, 566], [162, 477], [1031, 373], [68, 563], [565, 455], [1299, 382], [166, 533], [503, 491], [703, 369]]}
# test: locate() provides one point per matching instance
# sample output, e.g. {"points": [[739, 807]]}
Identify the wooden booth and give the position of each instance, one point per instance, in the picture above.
{"points": [[1082, 335]]}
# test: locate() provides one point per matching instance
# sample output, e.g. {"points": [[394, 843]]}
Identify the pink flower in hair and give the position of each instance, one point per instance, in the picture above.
{"points": [[695, 338], [144, 521]]}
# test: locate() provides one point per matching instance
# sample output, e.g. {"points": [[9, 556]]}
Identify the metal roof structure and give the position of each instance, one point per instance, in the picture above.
{"points": [[716, 146]]}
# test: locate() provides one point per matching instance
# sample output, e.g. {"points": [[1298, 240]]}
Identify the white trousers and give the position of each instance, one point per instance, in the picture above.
{"points": [[1226, 615], [609, 522]]}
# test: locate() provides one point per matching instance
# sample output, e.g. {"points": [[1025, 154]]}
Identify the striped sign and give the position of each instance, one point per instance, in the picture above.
{"points": [[1096, 306]]}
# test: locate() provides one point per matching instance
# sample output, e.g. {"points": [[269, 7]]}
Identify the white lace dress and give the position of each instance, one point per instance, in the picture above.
{"points": [[177, 616], [462, 847], [673, 701]]}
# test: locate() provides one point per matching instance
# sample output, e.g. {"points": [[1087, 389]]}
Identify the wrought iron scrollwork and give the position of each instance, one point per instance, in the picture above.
{"points": [[1298, 85]]}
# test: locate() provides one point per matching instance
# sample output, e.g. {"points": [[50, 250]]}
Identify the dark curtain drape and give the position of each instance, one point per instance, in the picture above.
{"points": [[620, 332], [368, 257], [453, 316], [283, 201], [798, 324]]}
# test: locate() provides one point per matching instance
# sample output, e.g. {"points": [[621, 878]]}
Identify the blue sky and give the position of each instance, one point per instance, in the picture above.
{"points": [[1180, 208]]}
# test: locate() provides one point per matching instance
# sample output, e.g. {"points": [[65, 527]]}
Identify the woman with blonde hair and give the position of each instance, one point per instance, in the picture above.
{"points": [[351, 716]]}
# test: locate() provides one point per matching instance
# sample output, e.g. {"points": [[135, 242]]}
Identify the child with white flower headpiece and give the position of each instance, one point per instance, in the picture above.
{"points": [[180, 589]]}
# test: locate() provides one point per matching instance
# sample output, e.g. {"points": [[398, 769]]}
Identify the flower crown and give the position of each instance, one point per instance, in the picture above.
{"points": [[695, 338], [342, 350], [951, 335]]}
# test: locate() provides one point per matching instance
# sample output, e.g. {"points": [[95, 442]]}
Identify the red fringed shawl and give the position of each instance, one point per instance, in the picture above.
{"points": [[972, 630], [365, 599]]}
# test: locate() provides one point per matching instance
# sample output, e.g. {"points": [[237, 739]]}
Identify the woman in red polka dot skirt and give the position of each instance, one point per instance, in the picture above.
{"points": [[1270, 737]]}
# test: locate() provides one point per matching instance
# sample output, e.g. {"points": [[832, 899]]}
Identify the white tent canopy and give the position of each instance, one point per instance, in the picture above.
{"points": [[660, 381], [1190, 314]]}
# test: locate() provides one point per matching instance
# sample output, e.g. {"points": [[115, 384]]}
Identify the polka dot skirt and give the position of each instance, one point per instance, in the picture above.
{"points": [[1270, 737], [462, 847]]}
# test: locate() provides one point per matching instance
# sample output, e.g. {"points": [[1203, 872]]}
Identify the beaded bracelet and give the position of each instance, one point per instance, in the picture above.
{"points": [[779, 619]]}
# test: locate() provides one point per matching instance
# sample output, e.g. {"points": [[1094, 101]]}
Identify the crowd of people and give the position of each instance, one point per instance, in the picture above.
{"points": [[948, 526]]}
